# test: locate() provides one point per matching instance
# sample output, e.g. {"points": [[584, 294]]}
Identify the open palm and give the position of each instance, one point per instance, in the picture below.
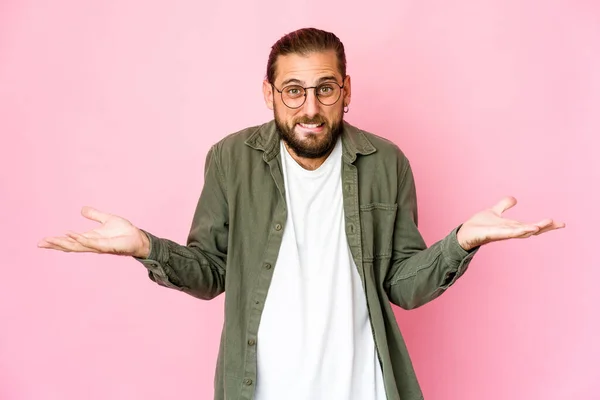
{"points": [[489, 226], [115, 235]]}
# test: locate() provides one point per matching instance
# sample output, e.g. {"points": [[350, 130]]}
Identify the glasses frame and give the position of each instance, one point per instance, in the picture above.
{"points": [[306, 93]]}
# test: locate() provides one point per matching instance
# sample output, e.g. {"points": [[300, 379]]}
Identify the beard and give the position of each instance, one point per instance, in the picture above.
{"points": [[313, 145]]}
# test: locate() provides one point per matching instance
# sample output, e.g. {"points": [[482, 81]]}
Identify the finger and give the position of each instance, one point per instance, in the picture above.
{"points": [[509, 224], [65, 244], [544, 223], [51, 246], [558, 225], [504, 204], [98, 244], [44, 244], [74, 245], [501, 233], [544, 227], [515, 231], [526, 230], [95, 215], [82, 240], [89, 234], [53, 241], [70, 236], [554, 226]]}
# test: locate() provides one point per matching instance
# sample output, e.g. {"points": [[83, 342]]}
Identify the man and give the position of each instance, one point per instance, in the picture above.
{"points": [[309, 225]]}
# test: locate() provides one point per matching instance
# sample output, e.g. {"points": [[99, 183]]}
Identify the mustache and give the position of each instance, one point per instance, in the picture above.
{"points": [[317, 119]]}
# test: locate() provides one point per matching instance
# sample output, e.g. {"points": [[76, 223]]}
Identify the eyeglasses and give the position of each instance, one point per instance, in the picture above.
{"points": [[294, 96]]}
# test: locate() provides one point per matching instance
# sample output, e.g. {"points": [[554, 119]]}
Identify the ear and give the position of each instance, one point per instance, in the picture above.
{"points": [[268, 94], [347, 91]]}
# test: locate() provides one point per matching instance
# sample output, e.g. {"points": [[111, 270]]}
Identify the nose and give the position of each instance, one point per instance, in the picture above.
{"points": [[311, 105]]}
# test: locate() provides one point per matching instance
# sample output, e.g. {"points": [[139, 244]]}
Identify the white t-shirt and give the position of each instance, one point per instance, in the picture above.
{"points": [[315, 340]]}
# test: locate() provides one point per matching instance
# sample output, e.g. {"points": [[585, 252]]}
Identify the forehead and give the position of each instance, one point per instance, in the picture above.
{"points": [[306, 68]]}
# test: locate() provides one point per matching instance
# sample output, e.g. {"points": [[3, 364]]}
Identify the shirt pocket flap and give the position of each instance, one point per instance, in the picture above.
{"points": [[377, 222]]}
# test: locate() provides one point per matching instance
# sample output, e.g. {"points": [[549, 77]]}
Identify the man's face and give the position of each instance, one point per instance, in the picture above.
{"points": [[311, 130]]}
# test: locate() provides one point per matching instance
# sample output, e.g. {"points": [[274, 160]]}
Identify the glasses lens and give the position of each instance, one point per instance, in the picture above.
{"points": [[293, 96], [328, 93]]}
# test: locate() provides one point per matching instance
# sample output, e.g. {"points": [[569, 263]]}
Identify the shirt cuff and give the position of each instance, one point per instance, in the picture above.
{"points": [[456, 257], [159, 252]]}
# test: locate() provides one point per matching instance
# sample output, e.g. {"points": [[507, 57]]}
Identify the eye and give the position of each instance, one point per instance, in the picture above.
{"points": [[326, 89], [293, 91]]}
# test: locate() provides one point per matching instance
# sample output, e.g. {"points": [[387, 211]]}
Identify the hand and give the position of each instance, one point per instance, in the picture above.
{"points": [[489, 226], [116, 235]]}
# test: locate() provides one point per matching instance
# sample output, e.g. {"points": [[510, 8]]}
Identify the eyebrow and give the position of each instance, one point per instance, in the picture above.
{"points": [[299, 82]]}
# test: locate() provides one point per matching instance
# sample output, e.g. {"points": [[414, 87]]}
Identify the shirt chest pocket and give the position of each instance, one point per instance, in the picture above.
{"points": [[377, 222]]}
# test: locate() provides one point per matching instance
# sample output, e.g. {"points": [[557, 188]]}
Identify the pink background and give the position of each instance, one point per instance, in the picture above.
{"points": [[115, 103]]}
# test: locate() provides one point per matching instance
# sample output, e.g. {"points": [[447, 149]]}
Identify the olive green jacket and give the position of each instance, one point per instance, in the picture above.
{"points": [[236, 235]]}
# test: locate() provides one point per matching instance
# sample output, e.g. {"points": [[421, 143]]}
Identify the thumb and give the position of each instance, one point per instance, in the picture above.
{"points": [[95, 215], [504, 204]]}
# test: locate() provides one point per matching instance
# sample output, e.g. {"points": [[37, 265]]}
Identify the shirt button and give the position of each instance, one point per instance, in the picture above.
{"points": [[277, 227], [267, 266], [251, 342], [247, 382]]}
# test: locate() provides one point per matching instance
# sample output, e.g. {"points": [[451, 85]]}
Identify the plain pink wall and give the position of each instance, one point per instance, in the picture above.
{"points": [[115, 103]]}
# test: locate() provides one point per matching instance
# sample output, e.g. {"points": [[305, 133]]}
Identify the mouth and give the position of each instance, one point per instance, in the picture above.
{"points": [[311, 128]]}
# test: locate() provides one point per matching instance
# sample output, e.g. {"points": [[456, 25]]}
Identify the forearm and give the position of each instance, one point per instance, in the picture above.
{"points": [[185, 268], [199, 267], [416, 279]]}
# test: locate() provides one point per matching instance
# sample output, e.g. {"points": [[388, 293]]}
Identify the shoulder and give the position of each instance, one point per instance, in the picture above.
{"points": [[243, 150], [237, 140], [238, 145], [386, 150]]}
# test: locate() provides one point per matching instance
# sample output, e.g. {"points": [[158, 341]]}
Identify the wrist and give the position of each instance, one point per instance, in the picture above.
{"points": [[143, 250], [462, 242]]}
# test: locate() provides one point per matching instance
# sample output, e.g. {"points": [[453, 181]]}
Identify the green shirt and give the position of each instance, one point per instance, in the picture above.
{"points": [[236, 235]]}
